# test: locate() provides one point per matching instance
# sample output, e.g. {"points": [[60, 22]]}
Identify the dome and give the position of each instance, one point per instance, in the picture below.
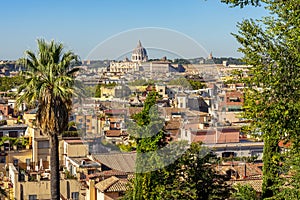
{"points": [[139, 54]]}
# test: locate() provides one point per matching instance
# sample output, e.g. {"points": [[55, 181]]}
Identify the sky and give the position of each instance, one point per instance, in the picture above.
{"points": [[109, 29]]}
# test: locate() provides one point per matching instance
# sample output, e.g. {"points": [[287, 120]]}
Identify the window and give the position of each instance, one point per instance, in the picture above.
{"points": [[75, 195], [234, 109], [32, 197], [43, 144], [234, 99], [13, 133]]}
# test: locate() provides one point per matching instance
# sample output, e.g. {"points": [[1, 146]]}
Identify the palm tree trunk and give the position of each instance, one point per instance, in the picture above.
{"points": [[54, 163]]}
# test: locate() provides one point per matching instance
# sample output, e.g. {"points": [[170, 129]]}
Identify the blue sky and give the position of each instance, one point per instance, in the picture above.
{"points": [[83, 24]]}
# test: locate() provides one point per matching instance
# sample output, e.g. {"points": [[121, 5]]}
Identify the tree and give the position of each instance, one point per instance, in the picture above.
{"points": [[242, 3], [149, 137], [244, 192], [50, 82], [192, 176], [189, 177], [7, 83], [173, 170], [272, 47]]}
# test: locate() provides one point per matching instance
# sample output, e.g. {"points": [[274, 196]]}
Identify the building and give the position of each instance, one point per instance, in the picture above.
{"points": [[123, 67], [111, 188], [198, 132], [5, 108], [139, 54], [88, 124], [36, 185], [231, 103]]}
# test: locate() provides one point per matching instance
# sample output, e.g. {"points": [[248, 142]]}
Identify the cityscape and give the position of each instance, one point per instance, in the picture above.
{"points": [[153, 123]]}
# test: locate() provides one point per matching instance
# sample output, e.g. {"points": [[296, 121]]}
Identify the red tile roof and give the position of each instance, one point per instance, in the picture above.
{"points": [[115, 133]]}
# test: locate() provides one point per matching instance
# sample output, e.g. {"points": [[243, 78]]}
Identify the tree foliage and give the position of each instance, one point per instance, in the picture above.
{"points": [[242, 3], [149, 137], [50, 82], [187, 83], [170, 171], [8, 83], [244, 192], [272, 47]]}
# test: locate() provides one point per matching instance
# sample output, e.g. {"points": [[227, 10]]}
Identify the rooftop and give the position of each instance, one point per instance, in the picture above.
{"points": [[124, 162], [112, 184]]}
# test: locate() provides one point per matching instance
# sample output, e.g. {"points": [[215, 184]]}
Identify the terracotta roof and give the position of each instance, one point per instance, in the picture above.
{"points": [[256, 184], [119, 186], [115, 133], [252, 170], [172, 125], [74, 141], [115, 119], [107, 173], [124, 162], [105, 184], [112, 184]]}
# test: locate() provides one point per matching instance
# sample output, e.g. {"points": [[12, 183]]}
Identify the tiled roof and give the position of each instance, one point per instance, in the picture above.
{"points": [[105, 184], [112, 184], [74, 141], [114, 119], [124, 162], [252, 170], [115, 133], [107, 173], [115, 111], [256, 184], [172, 125], [119, 186]]}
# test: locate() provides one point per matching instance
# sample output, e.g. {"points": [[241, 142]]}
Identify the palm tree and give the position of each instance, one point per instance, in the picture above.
{"points": [[50, 84]]}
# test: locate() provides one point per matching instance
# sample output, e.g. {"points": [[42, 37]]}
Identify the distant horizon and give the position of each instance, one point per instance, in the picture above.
{"points": [[150, 58]]}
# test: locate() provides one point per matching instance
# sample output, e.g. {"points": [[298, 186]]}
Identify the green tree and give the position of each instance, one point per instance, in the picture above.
{"points": [[196, 84], [173, 171], [192, 176], [181, 82], [149, 137], [244, 192], [271, 46], [7, 83], [242, 3], [189, 177], [50, 83]]}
